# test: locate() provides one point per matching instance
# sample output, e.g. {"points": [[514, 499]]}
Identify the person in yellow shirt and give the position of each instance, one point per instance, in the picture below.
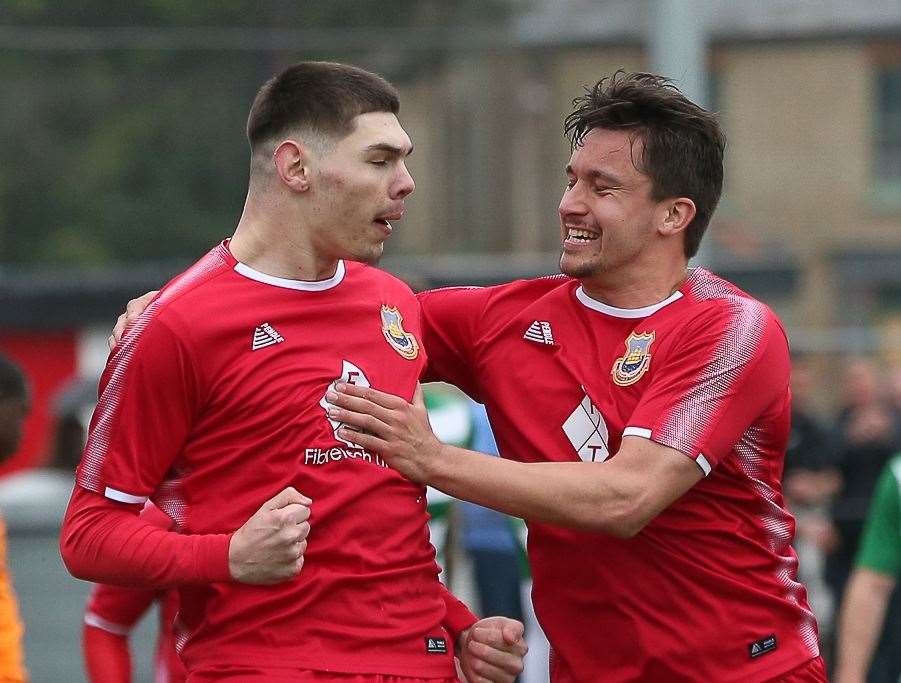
{"points": [[14, 404]]}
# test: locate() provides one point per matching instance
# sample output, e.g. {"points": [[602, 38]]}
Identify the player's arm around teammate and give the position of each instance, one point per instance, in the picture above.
{"points": [[619, 496]]}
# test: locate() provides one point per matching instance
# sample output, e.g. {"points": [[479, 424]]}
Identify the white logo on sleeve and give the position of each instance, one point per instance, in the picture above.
{"points": [[587, 431], [350, 374], [265, 335]]}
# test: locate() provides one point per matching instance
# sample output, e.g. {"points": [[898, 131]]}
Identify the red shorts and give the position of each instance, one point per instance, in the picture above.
{"points": [[813, 671], [254, 675]]}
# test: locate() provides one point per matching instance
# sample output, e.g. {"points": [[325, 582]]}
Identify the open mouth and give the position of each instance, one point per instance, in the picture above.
{"points": [[578, 236]]}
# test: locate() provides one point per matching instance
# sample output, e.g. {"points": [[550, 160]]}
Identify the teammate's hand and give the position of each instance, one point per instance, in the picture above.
{"points": [[492, 649], [398, 431], [269, 548], [133, 309]]}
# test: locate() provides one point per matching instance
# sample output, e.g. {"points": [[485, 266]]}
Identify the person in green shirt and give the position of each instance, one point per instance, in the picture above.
{"points": [[876, 571]]}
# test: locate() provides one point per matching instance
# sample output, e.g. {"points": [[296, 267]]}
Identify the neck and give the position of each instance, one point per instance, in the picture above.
{"points": [[636, 287], [276, 244]]}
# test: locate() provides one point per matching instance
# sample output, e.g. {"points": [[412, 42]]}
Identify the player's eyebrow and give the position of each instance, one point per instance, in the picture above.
{"points": [[391, 149], [597, 174]]}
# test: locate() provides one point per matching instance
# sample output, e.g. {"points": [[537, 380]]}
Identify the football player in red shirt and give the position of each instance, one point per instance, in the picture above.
{"points": [[215, 401], [643, 411]]}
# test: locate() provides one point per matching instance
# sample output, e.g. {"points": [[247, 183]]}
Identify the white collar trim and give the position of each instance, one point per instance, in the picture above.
{"points": [[305, 285], [644, 312]]}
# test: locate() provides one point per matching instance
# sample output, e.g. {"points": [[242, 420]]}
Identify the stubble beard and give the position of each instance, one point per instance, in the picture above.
{"points": [[581, 268]]}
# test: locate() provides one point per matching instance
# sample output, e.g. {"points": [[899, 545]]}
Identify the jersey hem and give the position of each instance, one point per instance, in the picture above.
{"points": [[338, 664]]}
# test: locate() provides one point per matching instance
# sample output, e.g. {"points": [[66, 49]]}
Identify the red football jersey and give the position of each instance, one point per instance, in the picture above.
{"points": [[215, 401], [708, 590]]}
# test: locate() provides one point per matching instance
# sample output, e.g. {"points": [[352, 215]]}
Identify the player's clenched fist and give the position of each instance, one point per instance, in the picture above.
{"points": [[269, 548]]}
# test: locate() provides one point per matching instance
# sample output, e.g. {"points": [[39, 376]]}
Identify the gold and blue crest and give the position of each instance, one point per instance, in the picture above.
{"points": [[401, 341], [631, 366]]}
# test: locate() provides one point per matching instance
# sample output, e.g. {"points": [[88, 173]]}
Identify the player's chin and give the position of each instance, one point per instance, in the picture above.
{"points": [[578, 266], [371, 253]]}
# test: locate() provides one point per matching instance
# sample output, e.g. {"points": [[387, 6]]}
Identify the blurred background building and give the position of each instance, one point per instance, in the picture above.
{"points": [[122, 159]]}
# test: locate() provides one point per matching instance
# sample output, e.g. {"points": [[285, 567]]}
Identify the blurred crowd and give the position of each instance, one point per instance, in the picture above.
{"points": [[832, 465]]}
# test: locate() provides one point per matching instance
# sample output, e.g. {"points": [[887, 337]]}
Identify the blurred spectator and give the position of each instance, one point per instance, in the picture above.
{"points": [[866, 437], [494, 542], [810, 480], [14, 404], [35, 499], [489, 538], [872, 583]]}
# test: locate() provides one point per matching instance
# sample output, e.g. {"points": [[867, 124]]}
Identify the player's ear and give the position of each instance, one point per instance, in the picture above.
{"points": [[676, 215], [292, 163]]}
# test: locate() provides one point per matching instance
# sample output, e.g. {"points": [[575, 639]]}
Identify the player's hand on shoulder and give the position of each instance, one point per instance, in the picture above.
{"points": [[133, 309], [492, 650], [270, 547]]}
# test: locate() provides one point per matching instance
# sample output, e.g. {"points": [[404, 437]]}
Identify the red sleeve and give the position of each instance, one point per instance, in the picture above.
{"points": [[450, 319], [116, 608], [150, 396], [458, 617], [729, 367], [106, 656], [106, 542]]}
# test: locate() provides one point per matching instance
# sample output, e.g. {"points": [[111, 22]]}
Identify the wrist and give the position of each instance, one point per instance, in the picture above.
{"points": [[438, 468]]}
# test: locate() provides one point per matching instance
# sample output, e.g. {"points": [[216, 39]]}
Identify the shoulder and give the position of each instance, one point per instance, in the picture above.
{"points": [[503, 298], [186, 294], [712, 300], [183, 306], [364, 274]]}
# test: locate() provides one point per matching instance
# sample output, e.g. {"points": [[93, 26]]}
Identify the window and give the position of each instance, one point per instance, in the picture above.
{"points": [[887, 137]]}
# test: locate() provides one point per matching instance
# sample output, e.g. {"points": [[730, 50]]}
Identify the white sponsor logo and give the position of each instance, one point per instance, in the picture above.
{"points": [[587, 431], [350, 374], [323, 456]]}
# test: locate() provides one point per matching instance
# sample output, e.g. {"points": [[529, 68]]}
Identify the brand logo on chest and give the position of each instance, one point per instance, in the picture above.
{"points": [[393, 328], [265, 335], [631, 366]]}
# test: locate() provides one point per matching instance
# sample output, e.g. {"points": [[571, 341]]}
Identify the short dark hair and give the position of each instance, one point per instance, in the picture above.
{"points": [[682, 142], [324, 96]]}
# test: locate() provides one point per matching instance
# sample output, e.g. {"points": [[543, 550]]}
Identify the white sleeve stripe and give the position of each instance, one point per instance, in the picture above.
{"points": [[703, 464], [92, 619], [646, 434], [123, 497]]}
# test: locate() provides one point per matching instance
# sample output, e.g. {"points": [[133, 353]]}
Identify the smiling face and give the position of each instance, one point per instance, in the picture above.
{"points": [[358, 185], [607, 214]]}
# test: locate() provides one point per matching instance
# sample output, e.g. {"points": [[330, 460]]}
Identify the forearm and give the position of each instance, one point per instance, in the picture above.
{"points": [[588, 496], [860, 623], [107, 542], [106, 656]]}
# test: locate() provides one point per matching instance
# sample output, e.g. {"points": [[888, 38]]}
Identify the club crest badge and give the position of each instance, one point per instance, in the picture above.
{"points": [[631, 366], [401, 341]]}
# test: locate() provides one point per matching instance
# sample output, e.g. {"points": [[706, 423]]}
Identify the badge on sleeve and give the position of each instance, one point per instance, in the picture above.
{"points": [[631, 366], [401, 341]]}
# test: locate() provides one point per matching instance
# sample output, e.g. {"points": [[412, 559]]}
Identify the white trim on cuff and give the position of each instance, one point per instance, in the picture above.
{"points": [[637, 431], [92, 619], [123, 497], [703, 464]]}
